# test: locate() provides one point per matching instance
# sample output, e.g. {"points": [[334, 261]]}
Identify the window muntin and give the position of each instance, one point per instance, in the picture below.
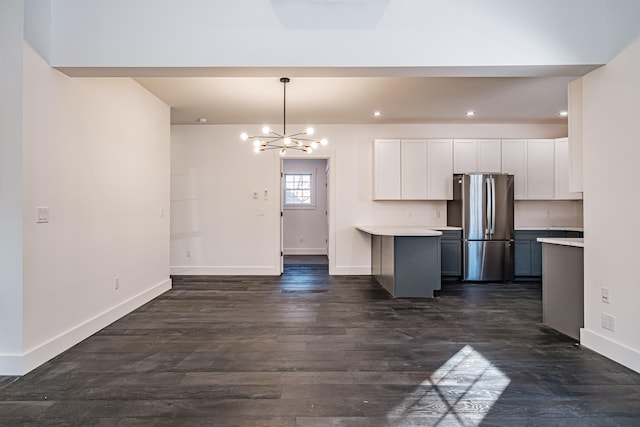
{"points": [[298, 189]]}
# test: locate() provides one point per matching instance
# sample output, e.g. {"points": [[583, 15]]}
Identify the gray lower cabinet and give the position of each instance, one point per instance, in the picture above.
{"points": [[406, 266], [528, 251], [563, 288], [451, 254]]}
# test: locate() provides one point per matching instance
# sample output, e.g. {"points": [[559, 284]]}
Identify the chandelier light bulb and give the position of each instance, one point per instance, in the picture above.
{"points": [[266, 130], [314, 145], [283, 151], [244, 136], [287, 141], [256, 143], [308, 150], [310, 131], [257, 149], [324, 141]]}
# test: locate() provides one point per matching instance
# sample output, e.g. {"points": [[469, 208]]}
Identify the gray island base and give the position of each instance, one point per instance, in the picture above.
{"points": [[563, 284], [406, 260]]}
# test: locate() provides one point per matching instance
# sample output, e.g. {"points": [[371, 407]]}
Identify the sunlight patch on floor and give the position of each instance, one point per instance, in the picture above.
{"points": [[460, 392]]}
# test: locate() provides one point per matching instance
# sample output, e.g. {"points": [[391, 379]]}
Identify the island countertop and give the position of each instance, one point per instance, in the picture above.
{"points": [[563, 241], [399, 230]]}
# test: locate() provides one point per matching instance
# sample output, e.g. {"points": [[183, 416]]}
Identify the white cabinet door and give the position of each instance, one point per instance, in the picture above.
{"points": [[465, 156], [540, 169], [514, 161], [440, 160], [386, 169], [414, 169], [562, 172], [489, 155]]}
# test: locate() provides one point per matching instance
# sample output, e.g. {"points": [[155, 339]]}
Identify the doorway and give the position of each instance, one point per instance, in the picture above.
{"points": [[305, 222]]}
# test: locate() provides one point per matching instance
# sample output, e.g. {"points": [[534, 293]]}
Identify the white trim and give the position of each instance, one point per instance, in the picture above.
{"points": [[305, 251], [16, 364], [614, 350], [217, 270], [328, 154], [351, 270]]}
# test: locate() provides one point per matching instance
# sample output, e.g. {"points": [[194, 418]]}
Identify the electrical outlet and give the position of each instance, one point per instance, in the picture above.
{"points": [[608, 322], [188, 253], [606, 295], [300, 239], [116, 283]]}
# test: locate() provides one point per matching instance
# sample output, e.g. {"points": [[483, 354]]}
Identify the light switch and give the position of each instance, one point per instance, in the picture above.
{"points": [[255, 195], [42, 214]]}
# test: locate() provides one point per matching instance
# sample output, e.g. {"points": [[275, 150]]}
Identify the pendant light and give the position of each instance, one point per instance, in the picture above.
{"points": [[272, 140]]}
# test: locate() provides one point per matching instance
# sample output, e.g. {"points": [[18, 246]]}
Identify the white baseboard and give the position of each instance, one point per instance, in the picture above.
{"points": [[205, 270], [615, 351], [20, 364], [305, 251], [351, 270]]}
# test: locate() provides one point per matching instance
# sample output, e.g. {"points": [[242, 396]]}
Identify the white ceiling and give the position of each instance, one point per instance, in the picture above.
{"points": [[340, 100]]}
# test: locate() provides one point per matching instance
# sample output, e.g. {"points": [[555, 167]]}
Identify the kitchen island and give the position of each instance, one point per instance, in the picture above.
{"points": [[563, 284], [405, 260]]}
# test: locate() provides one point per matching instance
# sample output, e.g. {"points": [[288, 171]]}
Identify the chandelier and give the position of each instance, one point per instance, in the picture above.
{"points": [[271, 140]]}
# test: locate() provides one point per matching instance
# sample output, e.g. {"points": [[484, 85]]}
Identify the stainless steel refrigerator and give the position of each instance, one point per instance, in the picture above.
{"points": [[483, 206]]}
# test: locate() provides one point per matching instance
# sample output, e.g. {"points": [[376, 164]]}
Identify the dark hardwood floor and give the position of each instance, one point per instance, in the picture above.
{"points": [[307, 349]]}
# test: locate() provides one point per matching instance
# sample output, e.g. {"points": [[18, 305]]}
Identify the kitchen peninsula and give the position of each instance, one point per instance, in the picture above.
{"points": [[405, 260], [563, 284]]}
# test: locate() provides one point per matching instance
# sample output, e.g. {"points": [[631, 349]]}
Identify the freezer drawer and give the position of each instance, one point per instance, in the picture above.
{"points": [[486, 260]]}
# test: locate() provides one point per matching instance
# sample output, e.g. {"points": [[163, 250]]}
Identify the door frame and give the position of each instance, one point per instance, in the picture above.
{"points": [[330, 156]]}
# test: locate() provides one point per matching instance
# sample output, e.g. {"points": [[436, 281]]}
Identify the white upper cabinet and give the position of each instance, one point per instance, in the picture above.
{"points": [[562, 172], [422, 169], [514, 161], [465, 156], [477, 155], [440, 169], [540, 169], [386, 169], [490, 155], [414, 169]]}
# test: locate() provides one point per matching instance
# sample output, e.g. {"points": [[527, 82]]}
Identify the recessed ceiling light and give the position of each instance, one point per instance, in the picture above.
{"points": [[470, 113], [202, 120], [563, 113], [377, 113]]}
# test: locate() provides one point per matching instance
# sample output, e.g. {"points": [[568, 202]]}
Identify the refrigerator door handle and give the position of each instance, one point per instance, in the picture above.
{"points": [[493, 205], [487, 230]]}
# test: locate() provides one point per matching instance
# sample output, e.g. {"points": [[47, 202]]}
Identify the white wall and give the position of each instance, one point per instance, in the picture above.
{"points": [[611, 149], [305, 229], [227, 232], [96, 152], [548, 213], [405, 33], [11, 30]]}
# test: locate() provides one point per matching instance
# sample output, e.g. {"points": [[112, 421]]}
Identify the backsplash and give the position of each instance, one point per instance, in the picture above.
{"points": [[548, 213]]}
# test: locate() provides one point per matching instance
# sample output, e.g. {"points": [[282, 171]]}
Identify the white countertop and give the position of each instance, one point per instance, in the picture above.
{"points": [[564, 241], [560, 228], [399, 231], [443, 227]]}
